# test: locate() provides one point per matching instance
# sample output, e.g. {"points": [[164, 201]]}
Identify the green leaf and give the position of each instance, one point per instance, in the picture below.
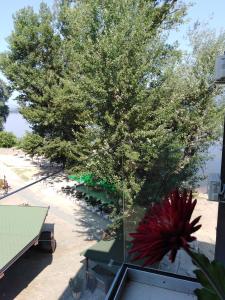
{"points": [[206, 294], [211, 275]]}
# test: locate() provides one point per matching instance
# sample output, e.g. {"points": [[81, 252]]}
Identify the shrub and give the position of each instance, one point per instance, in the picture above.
{"points": [[7, 139], [31, 143]]}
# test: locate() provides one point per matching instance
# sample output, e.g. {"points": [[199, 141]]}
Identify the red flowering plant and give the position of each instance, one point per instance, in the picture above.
{"points": [[167, 227]]}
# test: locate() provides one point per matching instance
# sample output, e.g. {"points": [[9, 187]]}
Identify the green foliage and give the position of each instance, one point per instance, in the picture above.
{"points": [[153, 107], [4, 95], [59, 150], [36, 67], [31, 143], [216, 272], [7, 139], [100, 84]]}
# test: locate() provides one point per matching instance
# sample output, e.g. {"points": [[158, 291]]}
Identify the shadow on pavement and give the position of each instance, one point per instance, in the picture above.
{"points": [[89, 224], [83, 286], [22, 272]]}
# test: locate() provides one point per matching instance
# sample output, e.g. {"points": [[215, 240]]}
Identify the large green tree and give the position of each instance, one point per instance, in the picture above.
{"points": [[36, 66], [119, 56], [153, 107], [100, 83]]}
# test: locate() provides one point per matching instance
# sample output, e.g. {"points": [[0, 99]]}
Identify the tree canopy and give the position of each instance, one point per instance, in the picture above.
{"points": [[7, 139], [108, 94], [4, 95]]}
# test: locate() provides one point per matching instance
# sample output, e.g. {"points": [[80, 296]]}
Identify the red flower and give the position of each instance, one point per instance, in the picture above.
{"points": [[165, 227]]}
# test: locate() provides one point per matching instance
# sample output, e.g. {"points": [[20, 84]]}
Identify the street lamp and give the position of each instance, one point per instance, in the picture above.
{"points": [[220, 230]]}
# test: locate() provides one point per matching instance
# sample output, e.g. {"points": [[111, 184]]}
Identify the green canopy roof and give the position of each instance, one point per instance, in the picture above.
{"points": [[106, 251], [20, 227], [89, 179], [98, 195]]}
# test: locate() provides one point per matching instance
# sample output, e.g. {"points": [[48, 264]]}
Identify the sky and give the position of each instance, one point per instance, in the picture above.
{"points": [[210, 11], [7, 9], [202, 10]]}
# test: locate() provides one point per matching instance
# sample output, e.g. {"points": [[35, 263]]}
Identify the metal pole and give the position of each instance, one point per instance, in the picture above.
{"points": [[220, 230], [30, 184]]}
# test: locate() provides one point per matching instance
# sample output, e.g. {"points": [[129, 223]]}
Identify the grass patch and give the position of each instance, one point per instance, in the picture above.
{"points": [[24, 173]]}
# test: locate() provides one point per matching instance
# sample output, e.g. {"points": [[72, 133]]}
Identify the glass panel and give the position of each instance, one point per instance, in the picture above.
{"points": [[159, 182], [80, 209]]}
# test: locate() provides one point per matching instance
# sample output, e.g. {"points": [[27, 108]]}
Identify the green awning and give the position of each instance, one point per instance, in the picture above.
{"points": [[89, 180], [98, 195], [106, 251], [20, 227]]}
